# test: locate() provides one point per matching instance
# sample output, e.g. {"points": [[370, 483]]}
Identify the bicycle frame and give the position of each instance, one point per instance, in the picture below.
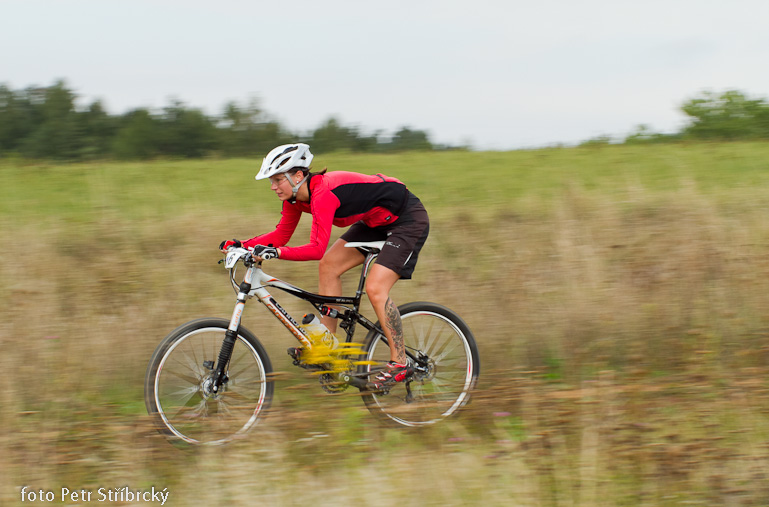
{"points": [[255, 284]]}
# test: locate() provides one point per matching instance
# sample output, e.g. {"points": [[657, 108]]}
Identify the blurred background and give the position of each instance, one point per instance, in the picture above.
{"points": [[614, 272]]}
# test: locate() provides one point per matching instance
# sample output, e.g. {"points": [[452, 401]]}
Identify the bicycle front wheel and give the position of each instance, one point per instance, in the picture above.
{"points": [[447, 366], [177, 388]]}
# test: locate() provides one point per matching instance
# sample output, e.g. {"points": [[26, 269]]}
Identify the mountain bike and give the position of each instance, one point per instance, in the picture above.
{"points": [[210, 380]]}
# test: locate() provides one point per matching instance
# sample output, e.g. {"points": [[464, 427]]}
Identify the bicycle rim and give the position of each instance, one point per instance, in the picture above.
{"points": [[452, 369], [182, 394]]}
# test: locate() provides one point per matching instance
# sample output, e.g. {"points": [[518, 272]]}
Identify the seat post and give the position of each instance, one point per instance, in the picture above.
{"points": [[370, 256]]}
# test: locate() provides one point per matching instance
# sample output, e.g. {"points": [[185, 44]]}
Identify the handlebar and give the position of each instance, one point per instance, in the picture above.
{"points": [[234, 254], [257, 251]]}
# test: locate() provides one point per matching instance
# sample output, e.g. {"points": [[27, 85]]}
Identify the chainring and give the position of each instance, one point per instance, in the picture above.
{"points": [[331, 383]]}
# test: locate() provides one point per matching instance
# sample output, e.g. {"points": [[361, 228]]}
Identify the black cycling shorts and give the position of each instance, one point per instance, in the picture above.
{"points": [[403, 238]]}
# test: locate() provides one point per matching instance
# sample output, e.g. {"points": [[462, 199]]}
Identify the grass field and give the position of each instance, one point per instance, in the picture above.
{"points": [[619, 296]]}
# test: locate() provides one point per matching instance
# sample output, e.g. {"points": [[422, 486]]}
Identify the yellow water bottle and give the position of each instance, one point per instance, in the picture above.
{"points": [[317, 332]]}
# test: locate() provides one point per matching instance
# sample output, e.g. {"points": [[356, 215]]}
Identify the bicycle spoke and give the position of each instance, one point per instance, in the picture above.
{"points": [[196, 410], [182, 395], [190, 363], [194, 361], [422, 338], [236, 373], [222, 409], [255, 384], [186, 378], [439, 347]]}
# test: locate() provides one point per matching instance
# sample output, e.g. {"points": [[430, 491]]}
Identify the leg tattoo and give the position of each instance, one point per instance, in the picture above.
{"points": [[395, 325]]}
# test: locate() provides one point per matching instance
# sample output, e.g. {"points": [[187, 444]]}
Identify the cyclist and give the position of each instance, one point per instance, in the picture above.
{"points": [[376, 207]]}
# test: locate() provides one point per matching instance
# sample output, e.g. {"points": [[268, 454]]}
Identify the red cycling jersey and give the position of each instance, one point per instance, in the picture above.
{"points": [[338, 198]]}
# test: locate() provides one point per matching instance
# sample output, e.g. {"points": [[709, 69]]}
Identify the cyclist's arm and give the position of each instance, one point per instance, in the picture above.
{"points": [[289, 218], [323, 207]]}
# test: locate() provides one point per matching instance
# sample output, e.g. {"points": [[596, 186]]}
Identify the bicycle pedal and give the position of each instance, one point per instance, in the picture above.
{"points": [[409, 395], [294, 352]]}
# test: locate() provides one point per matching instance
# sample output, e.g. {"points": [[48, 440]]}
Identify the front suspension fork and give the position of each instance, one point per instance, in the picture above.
{"points": [[220, 376], [225, 353]]}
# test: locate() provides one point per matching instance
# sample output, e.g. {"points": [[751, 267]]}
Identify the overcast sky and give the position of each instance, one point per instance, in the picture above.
{"points": [[496, 74]]}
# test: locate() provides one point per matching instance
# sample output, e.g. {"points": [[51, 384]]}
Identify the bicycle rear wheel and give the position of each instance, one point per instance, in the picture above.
{"points": [[177, 387], [447, 366]]}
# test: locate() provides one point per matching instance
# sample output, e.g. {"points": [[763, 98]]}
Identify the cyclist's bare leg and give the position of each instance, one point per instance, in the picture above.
{"points": [[336, 261], [380, 281]]}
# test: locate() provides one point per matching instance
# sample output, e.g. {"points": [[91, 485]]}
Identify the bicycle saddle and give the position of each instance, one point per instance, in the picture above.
{"points": [[368, 246]]}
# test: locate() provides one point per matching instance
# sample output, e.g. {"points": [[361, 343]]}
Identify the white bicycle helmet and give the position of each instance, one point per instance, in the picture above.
{"points": [[284, 158]]}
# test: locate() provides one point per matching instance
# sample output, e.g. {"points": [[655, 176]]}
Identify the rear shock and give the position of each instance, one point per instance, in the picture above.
{"points": [[346, 319]]}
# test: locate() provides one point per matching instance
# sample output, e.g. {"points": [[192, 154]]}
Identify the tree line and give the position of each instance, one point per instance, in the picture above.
{"points": [[726, 116], [47, 123]]}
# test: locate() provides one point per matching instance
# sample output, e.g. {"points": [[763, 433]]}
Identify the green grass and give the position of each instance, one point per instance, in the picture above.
{"points": [[449, 180], [618, 295]]}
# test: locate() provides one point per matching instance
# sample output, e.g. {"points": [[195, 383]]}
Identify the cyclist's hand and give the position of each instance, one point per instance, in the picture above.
{"points": [[266, 252], [229, 243]]}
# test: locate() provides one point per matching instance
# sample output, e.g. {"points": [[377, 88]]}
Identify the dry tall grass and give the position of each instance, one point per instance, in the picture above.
{"points": [[623, 337]]}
